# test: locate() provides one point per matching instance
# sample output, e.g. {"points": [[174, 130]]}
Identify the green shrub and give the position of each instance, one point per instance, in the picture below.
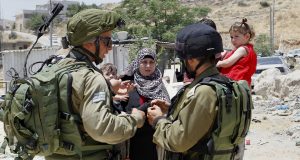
{"points": [[262, 45], [264, 4], [242, 4]]}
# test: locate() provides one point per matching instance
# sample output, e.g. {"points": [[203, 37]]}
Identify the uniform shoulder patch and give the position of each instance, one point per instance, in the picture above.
{"points": [[99, 96]]}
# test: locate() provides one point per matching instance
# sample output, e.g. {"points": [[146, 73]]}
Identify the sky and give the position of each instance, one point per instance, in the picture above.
{"points": [[9, 8]]}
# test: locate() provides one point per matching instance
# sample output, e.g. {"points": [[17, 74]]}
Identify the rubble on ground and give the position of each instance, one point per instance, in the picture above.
{"points": [[278, 95]]}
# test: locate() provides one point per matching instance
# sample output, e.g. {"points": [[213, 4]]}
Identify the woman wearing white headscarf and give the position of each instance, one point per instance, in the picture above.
{"points": [[148, 81]]}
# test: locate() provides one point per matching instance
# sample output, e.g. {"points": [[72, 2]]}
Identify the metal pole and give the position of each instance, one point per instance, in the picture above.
{"points": [[51, 25], [272, 26], [1, 29], [273, 31]]}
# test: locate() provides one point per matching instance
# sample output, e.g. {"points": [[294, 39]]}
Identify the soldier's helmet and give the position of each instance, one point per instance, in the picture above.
{"points": [[89, 24], [198, 40]]}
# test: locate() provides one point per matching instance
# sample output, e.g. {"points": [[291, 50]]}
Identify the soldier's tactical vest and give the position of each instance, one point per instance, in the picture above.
{"points": [[39, 117], [231, 125]]}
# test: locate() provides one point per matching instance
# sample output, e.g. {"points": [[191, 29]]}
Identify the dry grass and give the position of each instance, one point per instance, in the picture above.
{"points": [[226, 12]]}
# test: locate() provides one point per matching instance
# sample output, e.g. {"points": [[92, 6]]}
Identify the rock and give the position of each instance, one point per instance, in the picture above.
{"points": [[265, 118], [256, 120], [265, 82], [278, 133], [282, 112], [296, 117], [293, 131], [257, 98], [270, 83], [296, 135]]}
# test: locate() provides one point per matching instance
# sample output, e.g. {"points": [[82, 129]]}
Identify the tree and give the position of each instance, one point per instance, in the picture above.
{"points": [[34, 22], [262, 45], [158, 19], [75, 8]]}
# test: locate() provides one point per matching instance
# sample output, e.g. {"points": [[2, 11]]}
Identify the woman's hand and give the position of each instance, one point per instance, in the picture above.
{"points": [[153, 113], [126, 87], [162, 104]]}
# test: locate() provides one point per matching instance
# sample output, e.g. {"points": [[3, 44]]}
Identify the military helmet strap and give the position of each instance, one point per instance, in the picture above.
{"points": [[192, 74], [97, 59], [89, 53]]}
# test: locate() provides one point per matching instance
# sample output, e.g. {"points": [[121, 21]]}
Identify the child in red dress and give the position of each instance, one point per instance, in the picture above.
{"points": [[240, 63]]}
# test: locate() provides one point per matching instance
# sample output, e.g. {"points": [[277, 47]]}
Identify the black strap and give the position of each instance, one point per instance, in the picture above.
{"points": [[67, 145], [174, 155], [228, 151], [248, 116], [51, 60], [207, 146], [70, 117], [85, 51], [219, 79], [97, 59], [69, 92], [70, 103], [224, 81], [28, 106]]}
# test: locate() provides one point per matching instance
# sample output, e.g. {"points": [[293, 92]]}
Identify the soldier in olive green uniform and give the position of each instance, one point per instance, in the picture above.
{"points": [[192, 114], [89, 34]]}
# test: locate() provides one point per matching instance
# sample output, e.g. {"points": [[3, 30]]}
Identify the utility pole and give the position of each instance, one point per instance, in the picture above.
{"points": [[1, 29], [1, 38], [272, 14], [51, 24]]}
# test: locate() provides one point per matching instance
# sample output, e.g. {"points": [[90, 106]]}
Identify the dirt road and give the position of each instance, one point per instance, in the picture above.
{"points": [[269, 139]]}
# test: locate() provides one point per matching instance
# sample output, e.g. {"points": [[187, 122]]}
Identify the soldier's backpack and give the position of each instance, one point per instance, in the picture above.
{"points": [[35, 108], [231, 124]]}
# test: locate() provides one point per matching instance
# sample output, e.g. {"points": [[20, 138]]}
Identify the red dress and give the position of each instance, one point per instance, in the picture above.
{"points": [[244, 68]]}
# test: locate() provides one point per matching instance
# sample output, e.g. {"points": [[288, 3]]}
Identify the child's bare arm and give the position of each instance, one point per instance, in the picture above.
{"points": [[238, 54]]}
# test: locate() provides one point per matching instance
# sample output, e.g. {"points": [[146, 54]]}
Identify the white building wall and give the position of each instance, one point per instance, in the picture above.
{"points": [[119, 56], [16, 59]]}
